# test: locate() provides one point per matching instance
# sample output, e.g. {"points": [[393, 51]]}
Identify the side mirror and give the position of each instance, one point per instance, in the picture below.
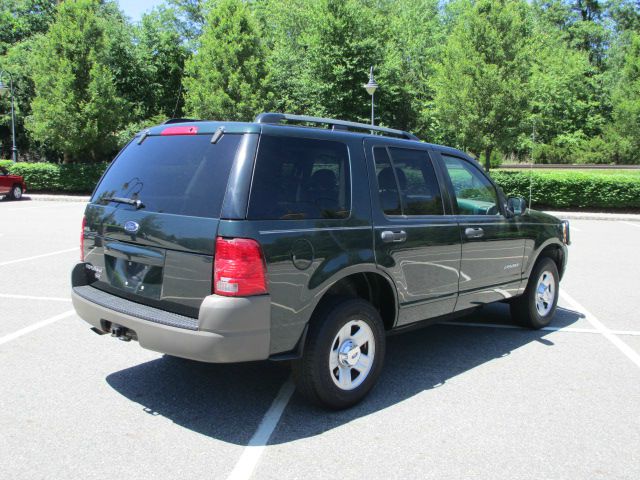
{"points": [[517, 205]]}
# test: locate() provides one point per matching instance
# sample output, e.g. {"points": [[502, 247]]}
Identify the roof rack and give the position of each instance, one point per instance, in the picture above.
{"points": [[181, 120], [275, 118]]}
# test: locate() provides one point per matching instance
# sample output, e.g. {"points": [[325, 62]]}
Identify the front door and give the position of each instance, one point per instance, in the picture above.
{"points": [[492, 246], [5, 182], [416, 242]]}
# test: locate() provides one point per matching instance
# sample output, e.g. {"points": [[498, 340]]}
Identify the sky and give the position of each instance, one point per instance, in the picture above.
{"points": [[135, 8]]}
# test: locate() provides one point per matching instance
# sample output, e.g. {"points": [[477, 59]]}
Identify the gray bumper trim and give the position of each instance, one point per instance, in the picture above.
{"points": [[144, 312]]}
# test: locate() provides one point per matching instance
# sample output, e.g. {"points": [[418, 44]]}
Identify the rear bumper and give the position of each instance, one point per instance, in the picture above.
{"points": [[227, 330]]}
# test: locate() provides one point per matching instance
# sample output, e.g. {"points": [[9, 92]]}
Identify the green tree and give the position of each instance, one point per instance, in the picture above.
{"points": [[20, 22], [565, 94], [415, 33], [191, 18], [225, 77], [481, 85], [625, 130], [162, 57], [320, 54], [79, 105], [21, 19]]}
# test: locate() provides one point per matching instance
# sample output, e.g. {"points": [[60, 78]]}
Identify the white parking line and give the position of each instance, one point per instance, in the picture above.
{"points": [[631, 223], [11, 262], [29, 297], [254, 450], [635, 333], [598, 325], [35, 326]]}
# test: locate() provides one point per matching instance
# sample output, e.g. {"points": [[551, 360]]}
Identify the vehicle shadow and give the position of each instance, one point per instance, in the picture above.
{"points": [[227, 402]]}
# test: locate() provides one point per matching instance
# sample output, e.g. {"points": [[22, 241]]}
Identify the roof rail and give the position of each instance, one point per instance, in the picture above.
{"points": [[181, 120], [275, 118]]}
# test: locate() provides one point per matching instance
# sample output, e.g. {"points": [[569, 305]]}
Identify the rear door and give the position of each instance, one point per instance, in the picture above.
{"points": [[492, 245], [159, 252], [416, 242]]}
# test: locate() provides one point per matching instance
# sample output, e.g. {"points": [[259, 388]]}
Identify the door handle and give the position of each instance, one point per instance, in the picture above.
{"points": [[393, 237], [474, 232]]}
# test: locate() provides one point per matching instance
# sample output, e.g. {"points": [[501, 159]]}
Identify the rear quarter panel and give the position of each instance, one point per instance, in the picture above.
{"points": [[305, 257]]}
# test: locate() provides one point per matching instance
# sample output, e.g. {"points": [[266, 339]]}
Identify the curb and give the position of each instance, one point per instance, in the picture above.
{"points": [[627, 217], [38, 197]]}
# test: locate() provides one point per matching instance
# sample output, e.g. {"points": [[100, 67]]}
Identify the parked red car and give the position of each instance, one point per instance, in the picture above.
{"points": [[11, 186]]}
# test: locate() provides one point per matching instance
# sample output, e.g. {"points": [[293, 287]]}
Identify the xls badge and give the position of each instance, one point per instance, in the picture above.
{"points": [[97, 271]]}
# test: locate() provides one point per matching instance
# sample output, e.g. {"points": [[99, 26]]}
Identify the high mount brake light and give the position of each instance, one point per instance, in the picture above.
{"points": [[84, 224], [239, 268], [180, 130]]}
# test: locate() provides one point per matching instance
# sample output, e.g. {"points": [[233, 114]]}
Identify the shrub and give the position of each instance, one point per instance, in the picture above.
{"points": [[551, 189], [51, 177], [568, 189]]}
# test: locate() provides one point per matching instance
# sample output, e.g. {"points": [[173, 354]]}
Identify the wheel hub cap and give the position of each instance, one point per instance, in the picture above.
{"points": [[352, 355], [348, 354], [545, 293]]}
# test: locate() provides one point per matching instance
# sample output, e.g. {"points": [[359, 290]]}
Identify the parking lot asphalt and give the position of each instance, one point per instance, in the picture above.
{"points": [[475, 399]]}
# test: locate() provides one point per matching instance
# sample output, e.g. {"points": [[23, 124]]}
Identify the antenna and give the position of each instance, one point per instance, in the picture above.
{"points": [[175, 109], [533, 142]]}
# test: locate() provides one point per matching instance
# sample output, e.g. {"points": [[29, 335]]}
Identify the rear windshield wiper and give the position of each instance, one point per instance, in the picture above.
{"points": [[127, 201]]}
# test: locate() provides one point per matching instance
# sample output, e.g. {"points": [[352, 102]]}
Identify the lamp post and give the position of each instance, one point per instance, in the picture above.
{"points": [[4, 89], [371, 89]]}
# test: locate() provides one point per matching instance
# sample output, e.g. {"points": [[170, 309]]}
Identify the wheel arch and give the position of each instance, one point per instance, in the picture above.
{"points": [[363, 281], [554, 250], [372, 286]]}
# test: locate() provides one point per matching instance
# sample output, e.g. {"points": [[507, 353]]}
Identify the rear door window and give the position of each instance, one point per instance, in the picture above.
{"points": [[300, 178], [407, 182], [178, 174]]}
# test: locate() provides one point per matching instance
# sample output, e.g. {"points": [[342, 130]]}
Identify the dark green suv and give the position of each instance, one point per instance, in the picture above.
{"points": [[304, 239]]}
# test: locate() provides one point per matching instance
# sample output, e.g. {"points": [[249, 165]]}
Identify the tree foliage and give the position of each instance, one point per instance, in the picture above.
{"points": [[482, 83], [77, 106], [555, 80], [225, 78]]}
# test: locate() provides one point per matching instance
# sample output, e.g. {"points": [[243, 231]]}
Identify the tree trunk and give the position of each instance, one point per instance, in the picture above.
{"points": [[66, 158], [487, 158]]}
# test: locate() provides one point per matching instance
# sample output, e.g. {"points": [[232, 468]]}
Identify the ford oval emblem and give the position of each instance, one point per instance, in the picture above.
{"points": [[131, 226]]}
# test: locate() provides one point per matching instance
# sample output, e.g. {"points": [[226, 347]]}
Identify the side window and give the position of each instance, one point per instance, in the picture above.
{"points": [[475, 195], [407, 183], [300, 178], [387, 183]]}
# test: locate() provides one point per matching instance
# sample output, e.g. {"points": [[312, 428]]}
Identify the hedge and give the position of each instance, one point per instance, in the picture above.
{"points": [[551, 189], [51, 177], [571, 189]]}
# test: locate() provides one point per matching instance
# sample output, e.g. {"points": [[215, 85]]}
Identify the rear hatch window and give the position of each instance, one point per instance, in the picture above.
{"points": [[176, 174], [159, 251]]}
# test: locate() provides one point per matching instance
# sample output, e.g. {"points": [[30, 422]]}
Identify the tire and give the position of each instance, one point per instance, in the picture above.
{"points": [[536, 307], [333, 372], [15, 193]]}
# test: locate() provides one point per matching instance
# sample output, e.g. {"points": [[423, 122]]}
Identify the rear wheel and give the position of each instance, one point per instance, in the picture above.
{"points": [[343, 355], [16, 192], [537, 306]]}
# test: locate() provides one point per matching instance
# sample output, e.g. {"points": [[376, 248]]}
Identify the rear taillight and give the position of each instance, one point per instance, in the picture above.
{"points": [[239, 268], [84, 224]]}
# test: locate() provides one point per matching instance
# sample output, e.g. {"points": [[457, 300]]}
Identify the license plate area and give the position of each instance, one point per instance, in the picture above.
{"points": [[137, 278]]}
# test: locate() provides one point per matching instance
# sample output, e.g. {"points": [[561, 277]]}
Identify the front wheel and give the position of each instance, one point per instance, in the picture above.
{"points": [[343, 355], [536, 307]]}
